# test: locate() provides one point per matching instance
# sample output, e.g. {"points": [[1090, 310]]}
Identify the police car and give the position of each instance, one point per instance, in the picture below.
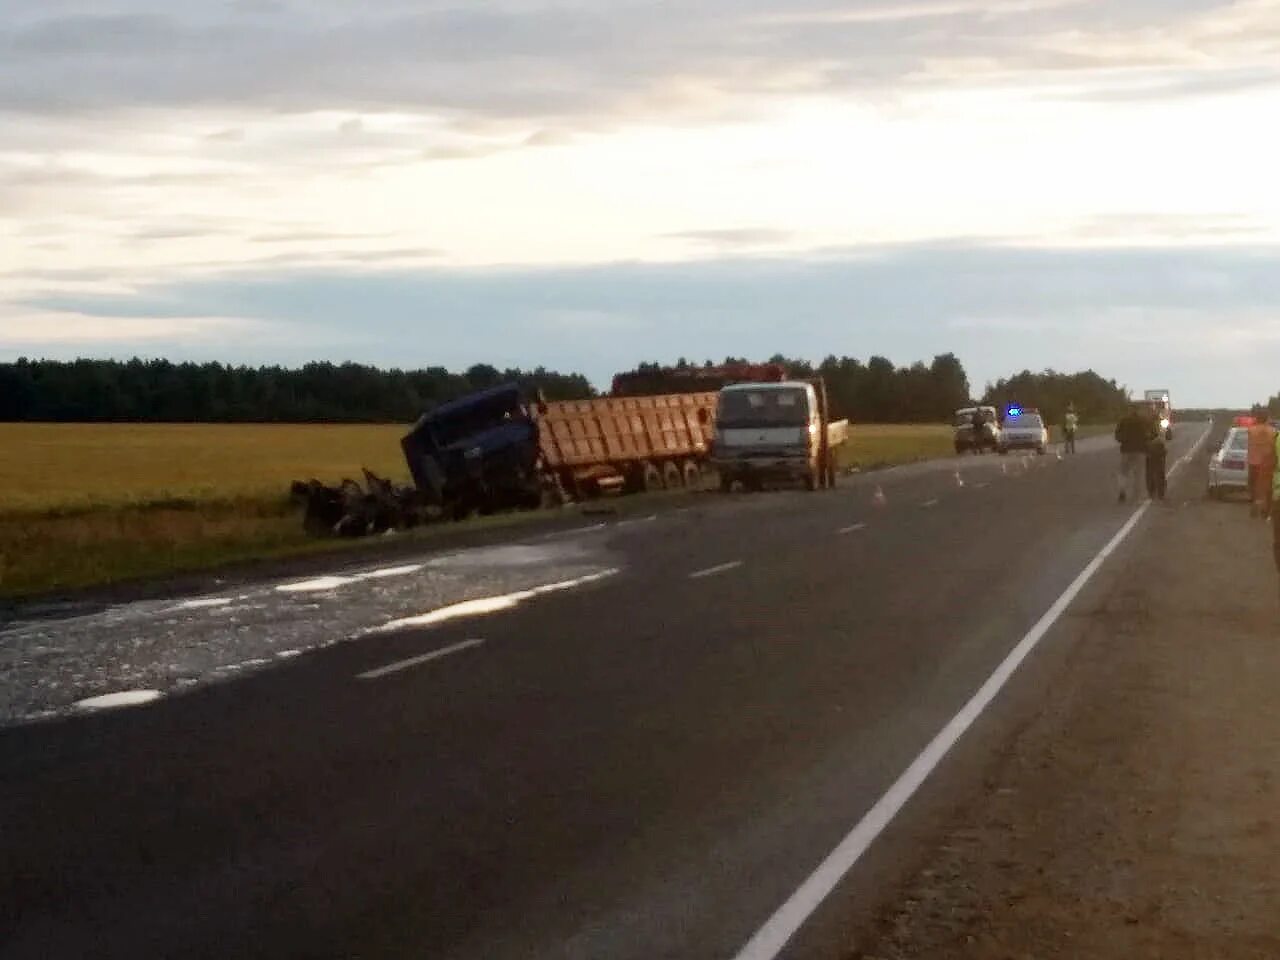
{"points": [[1024, 429]]}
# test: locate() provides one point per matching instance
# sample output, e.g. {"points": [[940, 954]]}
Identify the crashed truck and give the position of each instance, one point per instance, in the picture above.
{"points": [[494, 450], [498, 449]]}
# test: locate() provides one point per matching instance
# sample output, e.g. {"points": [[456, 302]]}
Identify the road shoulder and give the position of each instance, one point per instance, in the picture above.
{"points": [[1134, 815]]}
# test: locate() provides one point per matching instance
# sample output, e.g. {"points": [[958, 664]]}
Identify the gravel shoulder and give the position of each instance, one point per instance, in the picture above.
{"points": [[1135, 814]]}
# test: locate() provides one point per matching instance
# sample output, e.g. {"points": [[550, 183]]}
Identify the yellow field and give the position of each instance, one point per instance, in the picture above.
{"points": [[84, 504], [64, 466], [873, 445]]}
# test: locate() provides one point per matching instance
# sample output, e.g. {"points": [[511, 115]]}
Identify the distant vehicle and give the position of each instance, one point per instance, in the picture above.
{"points": [[1024, 430], [1162, 409], [989, 439], [775, 432], [1229, 466]]}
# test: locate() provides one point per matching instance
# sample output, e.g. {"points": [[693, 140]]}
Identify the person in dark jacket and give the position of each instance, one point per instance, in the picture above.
{"points": [[1133, 433]]}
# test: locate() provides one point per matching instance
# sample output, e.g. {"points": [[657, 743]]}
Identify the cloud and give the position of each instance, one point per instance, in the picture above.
{"points": [[733, 237], [1171, 226], [1139, 314], [586, 62], [51, 330], [312, 236]]}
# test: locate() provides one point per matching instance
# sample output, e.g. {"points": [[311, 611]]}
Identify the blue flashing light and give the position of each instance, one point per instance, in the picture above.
{"points": [[1015, 411]]}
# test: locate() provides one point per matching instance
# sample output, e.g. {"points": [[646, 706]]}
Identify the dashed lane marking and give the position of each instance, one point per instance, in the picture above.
{"points": [[852, 528], [712, 571], [417, 661]]}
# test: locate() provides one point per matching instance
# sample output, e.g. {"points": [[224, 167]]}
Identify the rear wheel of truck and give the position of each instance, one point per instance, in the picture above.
{"points": [[672, 479], [692, 474], [726, 483], [650, 477], [811, 481]]}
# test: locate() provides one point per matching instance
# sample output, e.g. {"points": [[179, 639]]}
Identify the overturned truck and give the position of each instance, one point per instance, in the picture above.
{"points": [[493, 450]]}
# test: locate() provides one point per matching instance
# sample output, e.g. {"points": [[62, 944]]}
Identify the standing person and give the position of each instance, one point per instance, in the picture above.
{"points": [[1070, 424], [1157, 465], [979, 430], [1132, 433], [1262, 462]]}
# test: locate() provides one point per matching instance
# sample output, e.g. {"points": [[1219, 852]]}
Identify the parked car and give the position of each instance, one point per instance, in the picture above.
{"points": [[1229, 465], [1024, 430]]}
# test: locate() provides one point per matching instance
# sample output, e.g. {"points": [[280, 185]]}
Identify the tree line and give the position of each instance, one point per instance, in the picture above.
{"points": [[876, 391], [157, 390], [1095, 399]]}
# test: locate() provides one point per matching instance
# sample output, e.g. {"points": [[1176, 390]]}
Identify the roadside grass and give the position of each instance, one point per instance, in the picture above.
{"points": [[884, 445], [91, 504]]}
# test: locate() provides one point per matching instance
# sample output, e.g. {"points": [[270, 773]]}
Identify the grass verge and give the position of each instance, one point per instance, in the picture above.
{"points": [[90, 504]]}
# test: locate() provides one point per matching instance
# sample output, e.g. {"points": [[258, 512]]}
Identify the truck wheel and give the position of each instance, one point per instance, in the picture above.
{"points": [[811, 481], [650, 477], [692, 474], [672, 478], [726, 483]]}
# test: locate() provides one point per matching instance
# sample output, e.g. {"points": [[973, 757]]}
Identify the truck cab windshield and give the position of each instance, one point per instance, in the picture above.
{"points": [[763, 408]]}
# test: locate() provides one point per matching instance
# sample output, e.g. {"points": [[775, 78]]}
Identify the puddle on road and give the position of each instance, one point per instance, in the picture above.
{"points": [[131, 653]]}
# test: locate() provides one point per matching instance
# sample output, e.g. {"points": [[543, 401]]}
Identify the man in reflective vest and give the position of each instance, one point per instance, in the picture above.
{"points": [[1070, 424], [1262, 464]]}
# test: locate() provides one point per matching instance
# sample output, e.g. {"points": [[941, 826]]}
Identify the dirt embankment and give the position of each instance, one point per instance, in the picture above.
{"points": [[1138, 815]]}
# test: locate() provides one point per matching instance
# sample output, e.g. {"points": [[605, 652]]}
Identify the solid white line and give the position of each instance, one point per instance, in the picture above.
{"points": [[712, 571], [771, 938], [929, 503], [415, 661], [853, 528]]}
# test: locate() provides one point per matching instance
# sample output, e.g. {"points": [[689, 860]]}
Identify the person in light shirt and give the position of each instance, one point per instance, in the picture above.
{"points": [[1070, 424]]}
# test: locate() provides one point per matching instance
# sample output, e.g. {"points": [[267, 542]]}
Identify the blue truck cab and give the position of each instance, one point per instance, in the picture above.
{"points": [[479, 452]]}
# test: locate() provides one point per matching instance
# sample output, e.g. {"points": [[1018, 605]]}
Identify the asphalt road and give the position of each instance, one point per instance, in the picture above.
{"points": [[618, 741]]}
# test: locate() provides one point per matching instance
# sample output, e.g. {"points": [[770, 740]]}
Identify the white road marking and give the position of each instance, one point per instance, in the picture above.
{"points": [[484, 605], [929, 503], [981, 486], [399, 665], [852, 528], [712, 571], [203, 603], [111, 701], [318, 584], [769, 941], [392, 571]]}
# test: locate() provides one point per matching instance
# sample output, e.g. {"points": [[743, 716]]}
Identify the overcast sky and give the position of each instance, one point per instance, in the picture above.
{"points": [[589, 183]]}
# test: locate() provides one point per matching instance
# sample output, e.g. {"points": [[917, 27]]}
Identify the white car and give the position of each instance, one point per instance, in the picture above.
{"points": [[1229, 466], [1024, 430]]}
